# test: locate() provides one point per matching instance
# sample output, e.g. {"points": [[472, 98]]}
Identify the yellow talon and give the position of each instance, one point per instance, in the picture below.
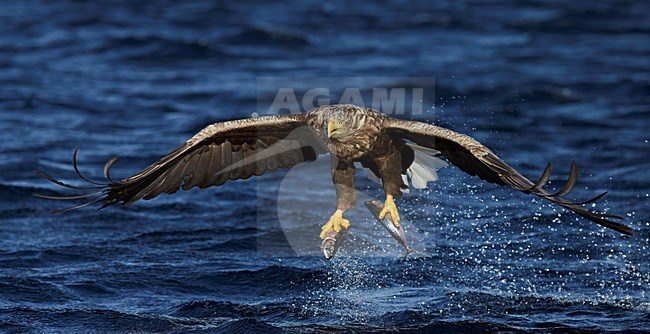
{"points": [[391, 208], [336, 222]]}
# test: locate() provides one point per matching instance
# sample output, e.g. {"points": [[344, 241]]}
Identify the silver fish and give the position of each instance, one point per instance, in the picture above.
{"points": [[332, 241], [397, 233]]}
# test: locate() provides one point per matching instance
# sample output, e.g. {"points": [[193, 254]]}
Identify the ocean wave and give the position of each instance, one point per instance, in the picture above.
{"points": [[159, 49], [277, 38]]}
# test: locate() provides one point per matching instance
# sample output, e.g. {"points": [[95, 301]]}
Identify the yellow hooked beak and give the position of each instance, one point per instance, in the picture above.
{"points": [[332, 127]]}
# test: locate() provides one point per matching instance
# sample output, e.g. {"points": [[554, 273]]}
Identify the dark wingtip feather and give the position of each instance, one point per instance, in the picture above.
{"points": [[108, 203], [543, 180], [99, 196], [107, 168], [606, 215], [76, 169], [618, 227], [55, 181], [570, 183], [599, 218], [613, 225], [592, 200], [79, 206], [68, 197]]}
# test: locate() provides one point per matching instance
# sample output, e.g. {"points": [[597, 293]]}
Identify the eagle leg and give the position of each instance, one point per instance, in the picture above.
{"points": [[336, 223], [390, 207]]}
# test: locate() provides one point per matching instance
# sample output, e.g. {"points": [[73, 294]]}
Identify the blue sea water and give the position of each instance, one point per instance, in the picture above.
{"points": [[536, 81]]}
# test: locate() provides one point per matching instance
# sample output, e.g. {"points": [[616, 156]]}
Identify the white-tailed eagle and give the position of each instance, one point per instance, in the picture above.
{"points": [[389, 148]]}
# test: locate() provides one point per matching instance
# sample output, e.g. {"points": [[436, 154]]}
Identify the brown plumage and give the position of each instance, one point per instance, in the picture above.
{"points": [[240, 149]]}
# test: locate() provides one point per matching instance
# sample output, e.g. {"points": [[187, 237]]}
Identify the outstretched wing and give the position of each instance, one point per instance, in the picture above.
{"points": [[475, 159], [220, 152]]}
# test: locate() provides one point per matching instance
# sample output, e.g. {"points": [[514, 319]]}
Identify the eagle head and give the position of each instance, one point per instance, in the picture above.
{"points": [[341, 123]]}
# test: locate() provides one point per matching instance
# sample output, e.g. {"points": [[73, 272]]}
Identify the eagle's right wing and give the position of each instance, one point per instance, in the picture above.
{"points": [[220, 152]]}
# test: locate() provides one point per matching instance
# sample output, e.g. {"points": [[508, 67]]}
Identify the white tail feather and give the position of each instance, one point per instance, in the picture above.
{"points": [[422, 170], [425, 164]]}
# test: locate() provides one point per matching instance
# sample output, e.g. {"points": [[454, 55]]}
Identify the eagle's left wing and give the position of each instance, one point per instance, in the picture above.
{"points": [[220, 152], [475, 159]]}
